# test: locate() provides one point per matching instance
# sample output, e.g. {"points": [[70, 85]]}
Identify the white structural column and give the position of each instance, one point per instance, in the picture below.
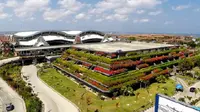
{"points": [[53, 101]]}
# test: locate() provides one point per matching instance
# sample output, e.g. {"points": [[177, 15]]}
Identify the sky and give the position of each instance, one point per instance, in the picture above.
{"points": [[144, 16]]}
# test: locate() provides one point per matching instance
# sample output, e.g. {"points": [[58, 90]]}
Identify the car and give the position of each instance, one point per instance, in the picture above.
{"points": [[10, 107], [179, 87], [192, 89]]}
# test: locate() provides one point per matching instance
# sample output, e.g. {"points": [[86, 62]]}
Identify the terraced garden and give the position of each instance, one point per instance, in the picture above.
{"points": [[108, 73], [88, 102]]}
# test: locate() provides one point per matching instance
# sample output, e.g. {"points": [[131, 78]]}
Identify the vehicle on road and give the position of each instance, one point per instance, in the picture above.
{"points": [[10, 107], [179, 87], [192, 89]]}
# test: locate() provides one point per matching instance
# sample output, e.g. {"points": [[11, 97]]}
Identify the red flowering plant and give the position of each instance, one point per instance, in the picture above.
{"points": [[100, 53], [109, 72], [103, 70], [113, 56], [152, 60], [93, 82], [147, 77], [156, 70], [163, 72], [96, 84], [182, 57], [86, 64], [78, 75], [119, 71], [190, 55], [142, 66], [124, 64]]}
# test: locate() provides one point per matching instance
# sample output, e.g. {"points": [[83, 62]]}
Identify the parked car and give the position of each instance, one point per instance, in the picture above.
{"points": [[192, 89], [179, 87], [10, 107]]}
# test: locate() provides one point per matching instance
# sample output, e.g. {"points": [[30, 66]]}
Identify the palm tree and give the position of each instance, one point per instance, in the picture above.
{"points": [[137, 94], [130, 91], [123, 90]]}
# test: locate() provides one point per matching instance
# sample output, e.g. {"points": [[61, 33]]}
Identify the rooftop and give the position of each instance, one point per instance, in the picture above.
{"points": [[123, 46]]}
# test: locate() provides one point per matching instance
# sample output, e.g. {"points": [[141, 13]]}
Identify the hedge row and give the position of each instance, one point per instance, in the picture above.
{"points": [[11, 74], [151, 54], [74, 68]]}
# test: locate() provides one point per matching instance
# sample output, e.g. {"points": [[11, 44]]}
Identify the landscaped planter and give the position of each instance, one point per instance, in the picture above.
{"points": [[109, 72], [163, 72], [83, 81]]}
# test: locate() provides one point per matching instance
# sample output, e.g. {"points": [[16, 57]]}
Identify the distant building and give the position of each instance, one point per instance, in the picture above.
{"points": [[5, 44], [171, 39]]}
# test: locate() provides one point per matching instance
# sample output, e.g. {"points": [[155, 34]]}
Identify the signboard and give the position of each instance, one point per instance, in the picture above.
{"points": [[167, 104]]}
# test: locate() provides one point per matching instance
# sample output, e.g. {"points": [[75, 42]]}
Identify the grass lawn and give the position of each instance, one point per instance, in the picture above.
{"points": [[90, 102], [188, 79]]}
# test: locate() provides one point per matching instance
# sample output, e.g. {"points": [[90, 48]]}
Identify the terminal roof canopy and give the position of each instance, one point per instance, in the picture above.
{"points": [[122, 46]]}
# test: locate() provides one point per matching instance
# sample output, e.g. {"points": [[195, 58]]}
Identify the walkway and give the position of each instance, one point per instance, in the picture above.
{"points": [[8, 95], [52, 100]]}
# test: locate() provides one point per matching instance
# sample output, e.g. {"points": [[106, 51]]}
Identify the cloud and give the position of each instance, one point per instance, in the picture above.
{"points": [[55, 15], [141, 20], [29, 7], [155, 13], [72, 5], [181, 7], [197, 10], [3, 15], [99, 20], [11, 3], [112, 10], [117, 17], [121, 9], [82, 16], [168, 22], [32, 18], [123, 6], [140, 11], [65, 8]]}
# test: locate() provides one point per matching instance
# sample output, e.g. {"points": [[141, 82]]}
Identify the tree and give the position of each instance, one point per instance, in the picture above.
{"points": [[115, 94], [132, 39], [123, 90], [181, 99], [137, 95], [126, 91], [186, 64], [130, 91], [191, 44], [161, 78], [197, 61]]}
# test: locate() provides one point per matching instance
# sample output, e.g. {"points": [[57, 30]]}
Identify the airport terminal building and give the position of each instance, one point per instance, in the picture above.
{"points": [[49, 38]]}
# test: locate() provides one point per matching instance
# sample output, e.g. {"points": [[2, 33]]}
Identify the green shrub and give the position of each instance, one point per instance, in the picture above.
{"points": [[181, 99], [11, 74]]}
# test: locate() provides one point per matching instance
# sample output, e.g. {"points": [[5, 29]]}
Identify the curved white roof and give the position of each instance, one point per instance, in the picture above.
{"points": [[24, 34], [46, 38], [28, 43], [51, 38], [29, 33], [91, 36], [72, 32]]}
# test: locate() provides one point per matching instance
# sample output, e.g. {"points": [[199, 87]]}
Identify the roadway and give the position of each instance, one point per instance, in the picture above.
{"points": [[2, 62], [53, 102], [8, 95]]}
